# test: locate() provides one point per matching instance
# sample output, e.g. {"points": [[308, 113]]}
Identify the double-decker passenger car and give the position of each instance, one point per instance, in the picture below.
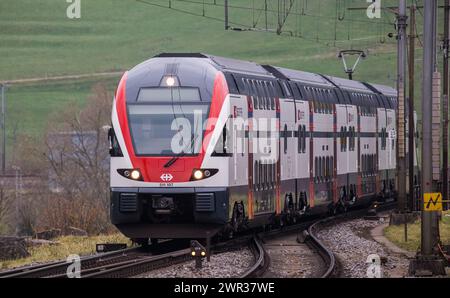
{"points": [[203, 144]]}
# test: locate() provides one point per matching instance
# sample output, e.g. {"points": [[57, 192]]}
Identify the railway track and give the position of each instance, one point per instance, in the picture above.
{"points": [[134, 261], [59, 268], [262, 259], [330, 267]]}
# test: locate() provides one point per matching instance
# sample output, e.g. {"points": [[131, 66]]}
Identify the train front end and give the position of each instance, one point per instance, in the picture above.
{"points": [[164, 183]]}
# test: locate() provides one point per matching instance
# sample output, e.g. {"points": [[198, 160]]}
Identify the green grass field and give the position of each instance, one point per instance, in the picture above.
{"points": [[396, 233], [38, 40]]}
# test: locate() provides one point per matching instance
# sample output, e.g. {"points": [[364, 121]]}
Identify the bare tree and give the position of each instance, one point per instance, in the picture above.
{"points": [[5, 206], [77, 163]]}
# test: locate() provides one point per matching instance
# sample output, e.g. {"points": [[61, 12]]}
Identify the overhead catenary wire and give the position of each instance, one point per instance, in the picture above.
{"points": [[295, 8]]}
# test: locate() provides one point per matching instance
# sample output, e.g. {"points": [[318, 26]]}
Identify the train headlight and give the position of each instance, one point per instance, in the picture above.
{"points": [[170, 81], [135, 174], [198, 174], [193, 253]]}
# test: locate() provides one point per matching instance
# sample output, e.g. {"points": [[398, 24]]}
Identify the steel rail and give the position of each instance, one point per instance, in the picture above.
{"points": [[262, 260]]}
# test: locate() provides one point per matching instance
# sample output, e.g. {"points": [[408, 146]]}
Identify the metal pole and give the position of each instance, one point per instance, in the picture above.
{"points": [[445, 103], [427, 242], [401, 69], [226, 15], [411, 126], [3, 130]]}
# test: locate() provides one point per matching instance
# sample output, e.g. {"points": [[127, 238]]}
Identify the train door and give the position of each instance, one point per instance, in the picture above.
{"points": [[391, 127], [287, 150], [382, 152], [352, 140], [342, 148], [301, 151]]}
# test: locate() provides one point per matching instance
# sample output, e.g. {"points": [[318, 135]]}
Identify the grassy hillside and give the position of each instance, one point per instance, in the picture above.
{"points": [[38, 40]]}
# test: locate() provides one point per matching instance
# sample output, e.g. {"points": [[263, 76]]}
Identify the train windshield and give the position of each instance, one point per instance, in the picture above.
{"points": [[167, 129]]}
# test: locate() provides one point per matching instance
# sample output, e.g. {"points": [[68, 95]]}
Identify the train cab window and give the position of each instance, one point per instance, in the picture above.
{"points": [[114, 147], [285, 139], [156, 94]]}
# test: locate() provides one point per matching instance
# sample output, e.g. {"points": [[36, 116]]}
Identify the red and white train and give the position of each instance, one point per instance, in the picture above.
{"points": [[203, 144]]}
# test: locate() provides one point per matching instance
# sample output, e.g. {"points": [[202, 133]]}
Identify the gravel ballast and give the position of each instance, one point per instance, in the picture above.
{"points": [[223, 265], [352, 244]]}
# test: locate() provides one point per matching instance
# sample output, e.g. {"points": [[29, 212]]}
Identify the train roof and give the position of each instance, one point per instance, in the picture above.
{"points": [[302, 76], [248, 68], [385, 90], [224, 64], [349, 85]]}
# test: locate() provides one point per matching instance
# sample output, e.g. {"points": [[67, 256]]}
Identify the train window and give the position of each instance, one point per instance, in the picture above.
{"points": [[327, 167], [299, 139], [304, 139], [246, 85], [270, 90], [285, 139], [363, 164], [323, 168], [222, 144], [353, 138], [265, 96], [114, 147], [316, 174], [255, 176], [350, 138], [261, 177], [168, 94], [319, 174], [332, 166], [287, 90], [345, 138], [255, 102]]}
